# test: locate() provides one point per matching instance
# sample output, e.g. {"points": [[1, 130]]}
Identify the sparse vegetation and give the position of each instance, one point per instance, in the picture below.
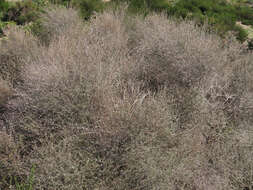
{"points": [[124, 102]]}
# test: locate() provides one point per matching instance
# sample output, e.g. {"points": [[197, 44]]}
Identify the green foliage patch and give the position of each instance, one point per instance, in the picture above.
{"points": [[220, 15], [22, 12], [88, 7], [144, 6], [3, 8]]}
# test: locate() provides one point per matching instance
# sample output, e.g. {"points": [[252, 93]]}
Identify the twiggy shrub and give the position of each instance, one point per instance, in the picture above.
{"points": [[127, 103]]}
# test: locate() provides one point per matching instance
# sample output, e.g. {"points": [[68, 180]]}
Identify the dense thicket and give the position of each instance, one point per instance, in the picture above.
{"points": [[119, 102], [126, 94]]}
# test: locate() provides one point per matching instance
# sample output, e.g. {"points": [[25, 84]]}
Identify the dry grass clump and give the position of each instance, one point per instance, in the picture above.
{"points": [[127, 103]]}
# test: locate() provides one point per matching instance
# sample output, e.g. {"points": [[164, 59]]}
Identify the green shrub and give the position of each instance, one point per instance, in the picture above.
{"points": [[88, 7], [245, 14], [241, 33], [145, 6], [65, 3], [3, 8], [250, 44], [22, 12], [2, 24], [220, 15]]}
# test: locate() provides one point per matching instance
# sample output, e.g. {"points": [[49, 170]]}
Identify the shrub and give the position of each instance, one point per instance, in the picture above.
{"points": [[89, 7], [181, 67], [145, 6], [121, 103], [241, 34], [3, 5], [1, 28], [22, 12], [3, 8], [250, 45], [220, 14], [61, 2], [245, 14]]}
